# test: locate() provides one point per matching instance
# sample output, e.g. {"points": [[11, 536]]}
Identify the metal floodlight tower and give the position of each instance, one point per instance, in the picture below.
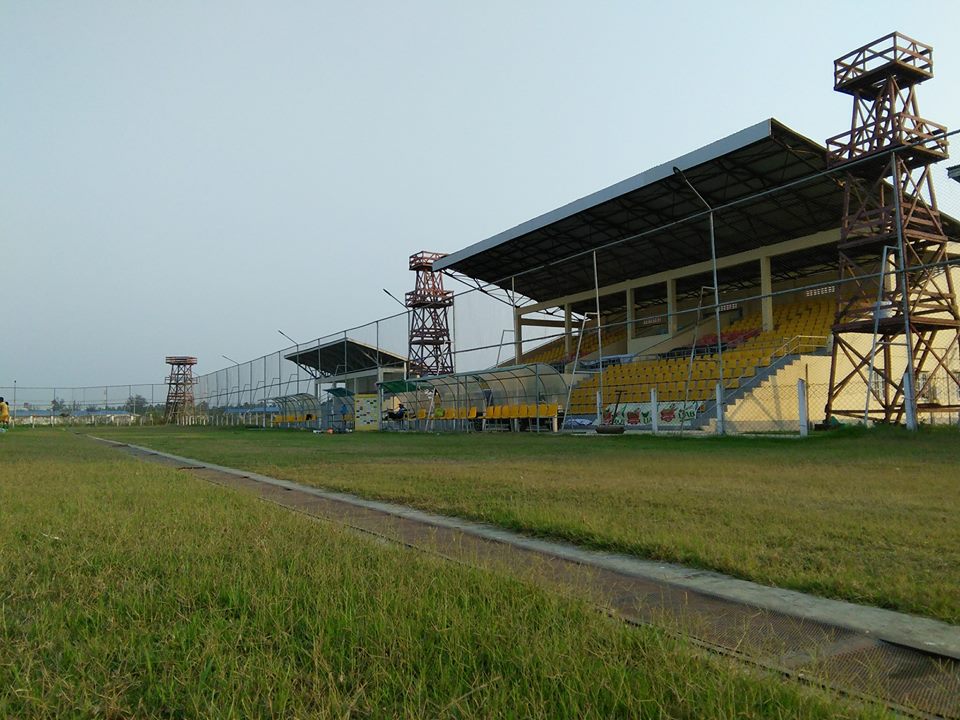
{"points": [[893, 291], [180, 382], [430, 350]]}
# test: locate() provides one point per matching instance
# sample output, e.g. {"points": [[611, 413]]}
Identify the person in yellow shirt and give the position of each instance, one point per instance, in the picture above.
{"points": [[4, 413]]}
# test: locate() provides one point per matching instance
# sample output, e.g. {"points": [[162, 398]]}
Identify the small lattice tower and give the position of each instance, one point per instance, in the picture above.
{"points": [[430, 349], [180, 400], [897, 319]]}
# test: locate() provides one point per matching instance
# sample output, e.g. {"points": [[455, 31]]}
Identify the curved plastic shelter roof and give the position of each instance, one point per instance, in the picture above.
{"points": [[534, 383], [298, 404]]}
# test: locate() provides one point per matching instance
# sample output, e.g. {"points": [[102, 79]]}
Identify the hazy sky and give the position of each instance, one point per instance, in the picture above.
{"points": [[253, 166]]}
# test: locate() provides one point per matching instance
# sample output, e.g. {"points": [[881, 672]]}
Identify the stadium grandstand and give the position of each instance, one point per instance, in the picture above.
{"points": [[691, 285], [696, 295]]}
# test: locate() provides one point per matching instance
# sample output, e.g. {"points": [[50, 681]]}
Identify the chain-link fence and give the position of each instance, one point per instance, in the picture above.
{"points": [[99, 405], [729, 307]]}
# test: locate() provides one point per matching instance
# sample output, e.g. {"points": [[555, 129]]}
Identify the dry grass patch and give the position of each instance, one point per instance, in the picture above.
{"points": [[869, 517], [131, 590]]}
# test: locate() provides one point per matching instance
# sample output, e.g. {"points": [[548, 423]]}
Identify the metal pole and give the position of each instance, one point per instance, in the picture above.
{"points": [[716, 289], [503, 334], [881, 281], [720, 428], [655, 411], [596, 286], [693, 350], [379, 379], [573, 378], [909, 401], [716, 305], [537, 398], [517, 326], [802, 406]]}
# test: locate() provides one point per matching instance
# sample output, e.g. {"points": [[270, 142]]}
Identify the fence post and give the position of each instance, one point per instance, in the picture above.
{"points": [[720, 428], [909, 396], [802, 407], [655, 410]]}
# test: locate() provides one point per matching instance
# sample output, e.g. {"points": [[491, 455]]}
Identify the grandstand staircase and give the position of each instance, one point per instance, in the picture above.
{"points": [[780, 373]]}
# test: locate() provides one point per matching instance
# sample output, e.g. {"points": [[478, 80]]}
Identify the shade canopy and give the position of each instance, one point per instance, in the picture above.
{"points": [[665, 224], [343, 357], [534, 383], [298, 405]]}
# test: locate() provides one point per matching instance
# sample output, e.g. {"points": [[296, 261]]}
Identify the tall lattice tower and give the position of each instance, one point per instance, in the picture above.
{"points": [[896, 306], [430, 350], [180, 401]]}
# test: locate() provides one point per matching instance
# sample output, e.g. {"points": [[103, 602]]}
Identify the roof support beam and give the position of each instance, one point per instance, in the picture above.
{"points": [[766, 290], [542, 322], [802, 243]]}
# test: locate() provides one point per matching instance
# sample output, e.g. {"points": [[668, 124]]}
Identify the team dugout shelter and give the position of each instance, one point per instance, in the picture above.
{"points": [[346, 373]]}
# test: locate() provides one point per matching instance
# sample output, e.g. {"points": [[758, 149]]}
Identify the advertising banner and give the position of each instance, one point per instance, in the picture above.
{"points": [[672, 413]]}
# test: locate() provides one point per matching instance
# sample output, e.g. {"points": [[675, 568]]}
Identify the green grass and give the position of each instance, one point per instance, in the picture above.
{"points": [[866, 516], [128, 589]]}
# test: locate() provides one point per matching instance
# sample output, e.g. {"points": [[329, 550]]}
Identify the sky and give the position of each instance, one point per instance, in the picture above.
{"points": [[190, 177]]}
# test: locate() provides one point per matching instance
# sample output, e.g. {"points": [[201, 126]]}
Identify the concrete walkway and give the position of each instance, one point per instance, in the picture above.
{"points": [[911, 662]]}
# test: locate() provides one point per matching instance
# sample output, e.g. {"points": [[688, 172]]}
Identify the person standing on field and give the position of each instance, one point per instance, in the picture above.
{"points": [[4, 413]]}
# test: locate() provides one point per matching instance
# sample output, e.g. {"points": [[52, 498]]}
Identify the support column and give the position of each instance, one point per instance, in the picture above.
{"points": [[631, 315], [517, 336], [672, 307], [567, 330], [766, 288]]}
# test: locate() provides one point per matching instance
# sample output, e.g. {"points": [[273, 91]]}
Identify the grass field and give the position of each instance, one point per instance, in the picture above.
{"points": [[131, 590], [866, 516]]}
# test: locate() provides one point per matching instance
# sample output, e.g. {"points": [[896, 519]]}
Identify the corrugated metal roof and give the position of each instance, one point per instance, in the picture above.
{"points": [[716, 149], [344, 357], [760, 157]]}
